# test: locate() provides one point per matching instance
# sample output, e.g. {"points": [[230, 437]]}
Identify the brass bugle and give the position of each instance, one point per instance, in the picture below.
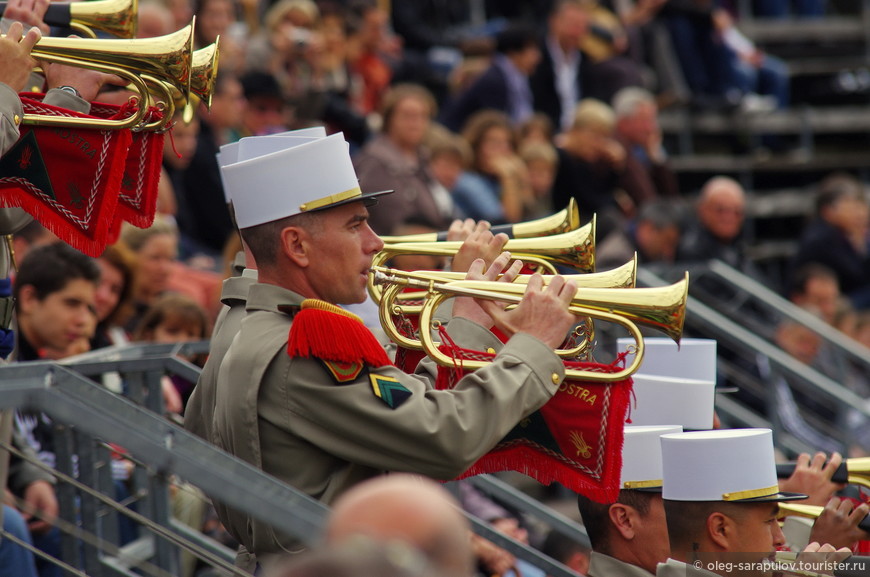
{"points": [[116, 17], [165, 58], [574, 249], [854, 471], [812, 512], [624, 276], [662, 308], [565, 220]]}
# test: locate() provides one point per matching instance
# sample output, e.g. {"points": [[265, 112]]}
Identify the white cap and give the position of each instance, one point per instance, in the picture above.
{"points": [[721, 465], [642, 456], [313, 175], [672, 401], [692, 359], [230, 153]]}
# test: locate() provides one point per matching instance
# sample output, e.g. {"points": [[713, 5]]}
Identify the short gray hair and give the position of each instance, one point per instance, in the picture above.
{"points": [[627, 100]]}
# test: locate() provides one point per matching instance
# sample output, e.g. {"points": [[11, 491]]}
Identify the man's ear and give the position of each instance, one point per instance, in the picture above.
{"points": [[720, 529], [26, 299], [294, 245], [622, 517]]}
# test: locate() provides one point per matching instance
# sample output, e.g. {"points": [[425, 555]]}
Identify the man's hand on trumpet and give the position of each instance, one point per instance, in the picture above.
{"points": [[812, 477], [86, 82], [28, 12], [15, 60], [542, 313], [838, 523], [478, 242]]}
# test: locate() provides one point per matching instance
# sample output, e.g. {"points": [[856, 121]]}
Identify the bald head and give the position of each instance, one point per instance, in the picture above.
{"points": [[406, 508], [721, 207]]}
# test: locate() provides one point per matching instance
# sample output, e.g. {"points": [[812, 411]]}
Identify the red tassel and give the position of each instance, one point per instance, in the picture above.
{"points": [[329, 332]]}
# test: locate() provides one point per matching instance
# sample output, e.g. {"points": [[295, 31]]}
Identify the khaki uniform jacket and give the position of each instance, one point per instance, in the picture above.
{"points": [[289, 416], [601, 565], [199, 412], [674, 568]]}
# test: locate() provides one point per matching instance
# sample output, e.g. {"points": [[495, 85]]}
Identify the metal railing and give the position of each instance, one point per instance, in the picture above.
{"points": [[89, 417]]}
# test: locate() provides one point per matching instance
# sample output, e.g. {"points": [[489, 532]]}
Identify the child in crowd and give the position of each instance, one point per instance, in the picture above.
{"points": [[173, 318]]}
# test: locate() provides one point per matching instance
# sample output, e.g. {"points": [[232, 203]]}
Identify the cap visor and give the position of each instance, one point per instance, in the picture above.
{"points": [[369, 198], [775, 497]]}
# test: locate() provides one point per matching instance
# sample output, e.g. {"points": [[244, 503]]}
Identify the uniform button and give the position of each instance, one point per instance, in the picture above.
{"points": [[490, 350], [556, 378], [16, 119]]}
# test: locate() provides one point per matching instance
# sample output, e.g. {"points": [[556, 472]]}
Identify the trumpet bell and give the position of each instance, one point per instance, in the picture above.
{"points": [[118, 17], [165, 59]]}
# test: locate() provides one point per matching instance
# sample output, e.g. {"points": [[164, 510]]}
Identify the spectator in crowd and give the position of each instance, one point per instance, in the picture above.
{"points": [[31, 236], [567, 551], [203, 218], [716, 233], [504, 86], [537, 128], [154, 19], [360, 556], [722, 68], [449, 155], [178, 153], [173, 318], [646, 175], [542, 161], [54, 295], [397, 160], [217, 18], [653, 235], [155, 249], [406, 508], [837, 237], [590, 163], [267, 111], [496, 187], [436, 35], [816, 286], [114, 297], [375, 52], [565, 76]]}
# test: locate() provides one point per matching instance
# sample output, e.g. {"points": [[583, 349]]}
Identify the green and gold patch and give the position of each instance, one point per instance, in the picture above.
{"points": [[344, 372], [389, 390]]}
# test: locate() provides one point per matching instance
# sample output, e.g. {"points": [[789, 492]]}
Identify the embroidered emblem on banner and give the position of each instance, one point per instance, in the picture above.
{"points": [[343, 372], [389, 390]]}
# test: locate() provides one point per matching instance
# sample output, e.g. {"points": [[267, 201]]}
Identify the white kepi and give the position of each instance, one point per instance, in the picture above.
{"points": [[256, 146], [672, 401], [311, 176], [642, 457], [693, 359], [735, 465]]}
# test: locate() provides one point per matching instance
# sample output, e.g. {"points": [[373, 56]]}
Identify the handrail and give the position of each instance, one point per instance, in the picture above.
{"points": [[717, 325], [69, 397]]}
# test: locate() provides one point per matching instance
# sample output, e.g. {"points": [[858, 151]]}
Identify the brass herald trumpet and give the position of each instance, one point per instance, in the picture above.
{"points": [[662, 308], [574, 249], [164, 58], [117, 17], [624, 276], [621, 277], [854, 471], [813, 512], [565, 220]]}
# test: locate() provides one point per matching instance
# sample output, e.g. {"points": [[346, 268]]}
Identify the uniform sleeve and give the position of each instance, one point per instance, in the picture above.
{"points": [[410, 426], [10, 108]]}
